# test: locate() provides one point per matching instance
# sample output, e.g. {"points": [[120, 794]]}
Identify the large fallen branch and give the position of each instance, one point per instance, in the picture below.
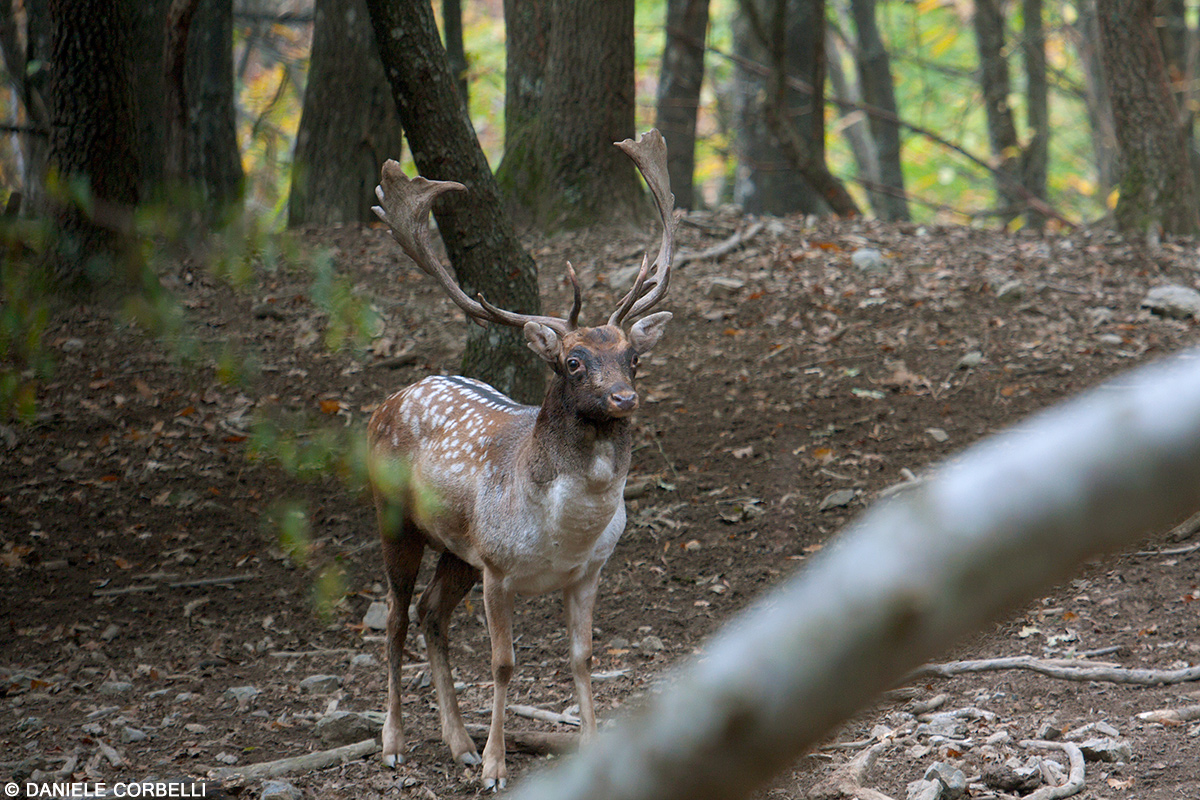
{"points": [[1000, 526], [1062, 669], [309, 761]]}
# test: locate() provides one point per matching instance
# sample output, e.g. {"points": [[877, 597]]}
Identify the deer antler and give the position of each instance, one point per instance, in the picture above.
{"points": [[649, 154], [404, 204]]}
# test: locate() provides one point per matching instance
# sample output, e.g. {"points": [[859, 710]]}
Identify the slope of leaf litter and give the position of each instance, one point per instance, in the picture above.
{"points": [[801, 375]]}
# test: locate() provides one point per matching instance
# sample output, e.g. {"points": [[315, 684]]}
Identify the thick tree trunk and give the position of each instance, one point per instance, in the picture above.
{"points": [[679, 83], [456, 53], [214, 163], [92, 141], [1035, 158], [768, 179], [561, 167], [988, 21], [344, 137], [478, 234], [1156, 189], [875, 80]]}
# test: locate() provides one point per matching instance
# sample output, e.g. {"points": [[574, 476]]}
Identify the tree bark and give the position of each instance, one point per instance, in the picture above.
{"points": [[214, 163], [92, 145], [478, 234], [1155, 191], [988, 21], [853, 120], [172, 81], [1085, 34], [679, 83], [561, 168], [875, 81], [344, 137], [1035, 156], [780, 131], [455, 51]]}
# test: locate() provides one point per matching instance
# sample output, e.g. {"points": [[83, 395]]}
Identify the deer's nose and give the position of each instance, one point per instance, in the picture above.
{"points": [[623, 400]]}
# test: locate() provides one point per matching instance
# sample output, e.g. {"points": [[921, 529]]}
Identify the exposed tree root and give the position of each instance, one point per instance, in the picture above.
{"points": [[1058, 668]]}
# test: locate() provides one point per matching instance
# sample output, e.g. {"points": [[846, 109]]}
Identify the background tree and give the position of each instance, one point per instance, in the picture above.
{"points": [[779, 112], [560, 168], [344, 137], [1155, 191], [478, 234], [215, 163], [92, 145], [875, 81], [679, 82], [1020, 170]]}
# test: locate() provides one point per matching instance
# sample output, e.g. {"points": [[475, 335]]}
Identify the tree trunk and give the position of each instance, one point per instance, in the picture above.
{"points": [[853, 122], [478, 234], [214, 163], [767, 181], [1155, 190], [455, 51], [1035, 157], [92, 145], [794, 39], [679, 83], [35, 98], [1086, 38], [875, 81], [344, 137], [561, 168], [988, 21]]}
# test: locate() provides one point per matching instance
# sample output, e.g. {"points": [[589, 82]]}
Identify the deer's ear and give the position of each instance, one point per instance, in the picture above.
{"points": [[543, 341], [646, 332]]}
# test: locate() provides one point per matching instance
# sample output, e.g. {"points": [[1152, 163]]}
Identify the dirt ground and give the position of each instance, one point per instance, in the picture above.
{"points": [[798, 365]]}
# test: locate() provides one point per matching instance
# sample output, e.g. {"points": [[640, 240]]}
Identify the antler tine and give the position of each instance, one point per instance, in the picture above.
{"points": [[577, 304], [649, 154], [404, 205]]}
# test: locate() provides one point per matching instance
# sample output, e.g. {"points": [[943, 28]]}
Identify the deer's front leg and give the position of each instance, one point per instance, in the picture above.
{"points": [[578, 602], [498, 604]]}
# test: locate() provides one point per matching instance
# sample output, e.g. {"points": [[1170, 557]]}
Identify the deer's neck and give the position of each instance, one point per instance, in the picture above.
{"points": [[564, 443]]}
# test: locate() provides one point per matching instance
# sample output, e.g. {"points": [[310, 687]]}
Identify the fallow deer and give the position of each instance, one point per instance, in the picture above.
{"points": [[529, 498]]}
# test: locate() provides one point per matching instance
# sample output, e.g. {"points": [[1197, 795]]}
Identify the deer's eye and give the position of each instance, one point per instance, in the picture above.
{"points": [[574, 366], [633, 362]]}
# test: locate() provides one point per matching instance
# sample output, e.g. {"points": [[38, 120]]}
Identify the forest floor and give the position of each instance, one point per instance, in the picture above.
{"points": [[796, 366]]}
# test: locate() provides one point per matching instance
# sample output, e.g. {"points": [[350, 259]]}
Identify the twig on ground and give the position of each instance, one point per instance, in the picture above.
{"points": [[543, 715], [1171, 716], [154, 587], [721, 248], [309, 761], [1061, 668], [1075, 778]]}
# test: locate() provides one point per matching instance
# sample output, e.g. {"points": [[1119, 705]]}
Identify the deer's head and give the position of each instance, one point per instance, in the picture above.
{"points": [[596, 365]]}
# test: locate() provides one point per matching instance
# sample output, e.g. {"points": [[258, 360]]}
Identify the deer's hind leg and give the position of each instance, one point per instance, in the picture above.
{"points": [[403, 545], [451, 581]]}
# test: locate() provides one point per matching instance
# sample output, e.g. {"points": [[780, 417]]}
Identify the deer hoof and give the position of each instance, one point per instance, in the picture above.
{"points": [[470, 758], [494, 784], [393, 760]]}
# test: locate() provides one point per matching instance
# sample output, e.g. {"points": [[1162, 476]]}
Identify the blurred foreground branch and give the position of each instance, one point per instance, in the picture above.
{"points": [[1011, 517]]}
